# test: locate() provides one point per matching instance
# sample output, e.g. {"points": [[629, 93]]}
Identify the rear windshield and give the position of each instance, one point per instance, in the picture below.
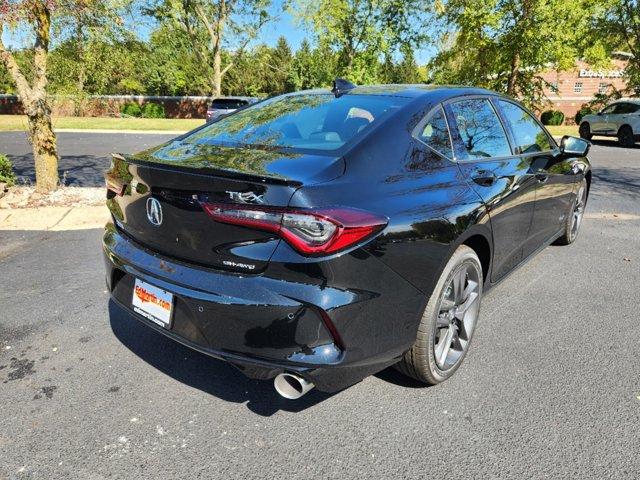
{"points": [[228, 103], [308, 121]]}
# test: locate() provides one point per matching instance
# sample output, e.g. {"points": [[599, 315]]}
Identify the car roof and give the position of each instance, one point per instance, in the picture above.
{"points": [[635, 101], [406, 90]]}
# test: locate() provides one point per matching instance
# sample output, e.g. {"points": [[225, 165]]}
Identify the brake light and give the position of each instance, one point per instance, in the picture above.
{"points": [[309, 231]]}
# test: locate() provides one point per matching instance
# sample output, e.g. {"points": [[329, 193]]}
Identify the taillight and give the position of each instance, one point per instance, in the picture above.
{"points": [[309, 231]]}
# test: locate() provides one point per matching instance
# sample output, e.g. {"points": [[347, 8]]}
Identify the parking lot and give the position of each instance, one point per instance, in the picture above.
{"points": [[550, 388]]}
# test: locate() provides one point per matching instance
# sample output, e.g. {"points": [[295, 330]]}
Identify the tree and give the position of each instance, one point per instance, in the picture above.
{"points": [[213, 26], [363, 32], [312, 68], [280, 63], [170, 66], [29, 67], [33, 95], [617, 24], [506, 44]]}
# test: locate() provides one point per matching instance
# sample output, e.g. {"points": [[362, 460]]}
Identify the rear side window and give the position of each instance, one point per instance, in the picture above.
{"points": [[528, 134], [305, 121], [480, 133], [435, 133], [626, 108]]}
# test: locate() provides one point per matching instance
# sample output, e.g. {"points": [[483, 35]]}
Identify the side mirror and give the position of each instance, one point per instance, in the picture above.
{"points": [[574, 146], [599, 114]]}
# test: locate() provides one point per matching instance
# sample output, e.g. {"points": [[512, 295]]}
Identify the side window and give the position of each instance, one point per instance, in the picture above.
{"points": [[610, 109], [480, 133], [626, 108], [435, 133], [528, 134]]}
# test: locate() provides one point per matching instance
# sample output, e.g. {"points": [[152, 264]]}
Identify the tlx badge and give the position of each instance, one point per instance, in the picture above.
{"points": [[246, 197]]}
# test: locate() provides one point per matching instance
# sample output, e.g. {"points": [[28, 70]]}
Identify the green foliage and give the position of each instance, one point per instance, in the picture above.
{"points": [[506, 44], [6, 171], [552, 117], [584, 111], [362, 33], [616, 27], [152, 110], [131, 109]]}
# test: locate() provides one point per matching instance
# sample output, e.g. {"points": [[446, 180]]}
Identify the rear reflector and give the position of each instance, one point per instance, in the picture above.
{"points": [[309, 231]]}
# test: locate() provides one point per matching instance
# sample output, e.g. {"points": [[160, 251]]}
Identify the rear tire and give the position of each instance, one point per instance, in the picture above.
{"points": [[448, 322], [574, 218], [585, 131], [625, 137]]}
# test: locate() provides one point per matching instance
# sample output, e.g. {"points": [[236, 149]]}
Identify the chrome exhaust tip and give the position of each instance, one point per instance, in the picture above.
{"points": [[291, 386]]}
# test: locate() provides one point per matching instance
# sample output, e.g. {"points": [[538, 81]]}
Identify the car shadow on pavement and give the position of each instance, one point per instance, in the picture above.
{"points": [[197, 370]]}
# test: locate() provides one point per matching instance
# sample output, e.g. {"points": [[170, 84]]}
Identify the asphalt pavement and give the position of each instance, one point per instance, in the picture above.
{"points": [[83, 156], [550, 388]]}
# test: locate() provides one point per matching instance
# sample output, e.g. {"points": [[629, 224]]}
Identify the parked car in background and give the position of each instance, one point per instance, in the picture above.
{"points": [[620, 119], [319, 237], [225, 105]]}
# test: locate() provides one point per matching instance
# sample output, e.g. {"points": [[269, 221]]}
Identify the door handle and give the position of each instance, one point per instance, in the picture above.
{"points": [[484, 178]]}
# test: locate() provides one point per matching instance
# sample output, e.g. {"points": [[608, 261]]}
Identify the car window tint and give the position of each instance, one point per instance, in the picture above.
{"points": [[633, 108], [304, 121], [626, 108], [480, 133], [528, 134], [610, 109], [227, 103], [435, 133]]}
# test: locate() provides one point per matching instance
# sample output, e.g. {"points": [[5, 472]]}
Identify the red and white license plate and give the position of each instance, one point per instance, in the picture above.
{"points": [[153, 303]]}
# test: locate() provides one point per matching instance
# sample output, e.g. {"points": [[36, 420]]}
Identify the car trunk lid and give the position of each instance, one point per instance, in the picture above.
{"points": [[156, 199]]}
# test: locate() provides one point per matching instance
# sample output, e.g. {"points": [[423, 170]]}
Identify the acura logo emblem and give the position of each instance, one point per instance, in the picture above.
{"points": [[154, 211]]}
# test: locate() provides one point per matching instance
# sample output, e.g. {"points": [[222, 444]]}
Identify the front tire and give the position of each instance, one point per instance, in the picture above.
{"points": [[585, 131], [574, 219], [625, 137], [448, 322]]}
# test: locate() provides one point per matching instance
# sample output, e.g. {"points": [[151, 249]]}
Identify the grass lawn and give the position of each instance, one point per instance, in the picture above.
{"points": [[19, 123], [562, 130]]}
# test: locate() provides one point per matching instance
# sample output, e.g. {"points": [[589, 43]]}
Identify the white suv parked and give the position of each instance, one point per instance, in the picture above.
{"points": [[620, 119]]}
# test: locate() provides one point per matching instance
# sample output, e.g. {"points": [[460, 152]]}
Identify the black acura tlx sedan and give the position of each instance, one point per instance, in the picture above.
{"points": [[316, 238]]}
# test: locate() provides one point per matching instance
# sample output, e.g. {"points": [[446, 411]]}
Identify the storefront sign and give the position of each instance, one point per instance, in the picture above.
{"points": [[601, 74]]}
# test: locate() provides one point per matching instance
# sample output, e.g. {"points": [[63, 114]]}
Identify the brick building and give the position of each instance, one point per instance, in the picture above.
{"points": [[571, 89]]}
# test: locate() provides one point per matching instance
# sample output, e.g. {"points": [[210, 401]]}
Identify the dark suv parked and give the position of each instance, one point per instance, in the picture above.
{"points": [[226, 105], [319, 237]]}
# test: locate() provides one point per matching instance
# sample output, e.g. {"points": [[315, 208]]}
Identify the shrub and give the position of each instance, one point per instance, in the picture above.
{"points": [[6, 171], [131, 109], [152, 110], [552, 117], [584, 110]]}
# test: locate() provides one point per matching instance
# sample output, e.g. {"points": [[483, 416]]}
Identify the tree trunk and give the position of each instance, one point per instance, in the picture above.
{"points": [[43, 141], [217, 73], [34, 98]]}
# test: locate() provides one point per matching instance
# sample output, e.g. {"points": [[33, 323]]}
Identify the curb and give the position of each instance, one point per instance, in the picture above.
{"points": [[54, 218]]}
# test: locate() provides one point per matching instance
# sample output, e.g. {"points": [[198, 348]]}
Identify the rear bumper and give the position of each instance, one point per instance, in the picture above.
{"points": [[331, 336]]}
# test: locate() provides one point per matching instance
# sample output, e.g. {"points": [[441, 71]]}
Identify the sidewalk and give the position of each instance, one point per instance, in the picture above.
{"points": [[54, 218]]}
